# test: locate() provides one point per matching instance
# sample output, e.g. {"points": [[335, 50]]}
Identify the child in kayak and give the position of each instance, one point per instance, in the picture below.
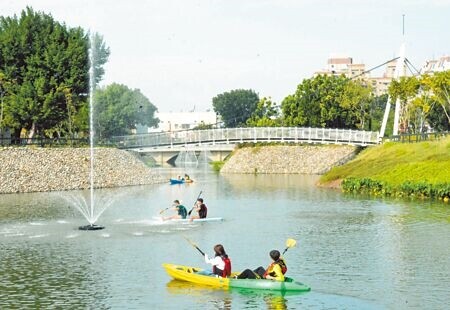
{"points": [[275, 271], [221, 262], [181, 211]]}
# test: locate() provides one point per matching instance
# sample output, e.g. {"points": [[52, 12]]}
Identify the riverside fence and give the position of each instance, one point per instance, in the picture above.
{"points": [[43, 142], [412, 138]]}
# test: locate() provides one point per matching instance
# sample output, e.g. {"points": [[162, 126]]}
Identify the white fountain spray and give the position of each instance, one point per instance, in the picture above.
{"points": [[91, 124], [91, 208]]}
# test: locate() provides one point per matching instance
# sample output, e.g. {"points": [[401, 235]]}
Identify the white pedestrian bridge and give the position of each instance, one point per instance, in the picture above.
{"points": [[219, 142], [225, 136]]}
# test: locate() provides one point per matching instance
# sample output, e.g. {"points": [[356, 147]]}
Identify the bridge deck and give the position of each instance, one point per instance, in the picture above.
{"points": [[223, 136]]}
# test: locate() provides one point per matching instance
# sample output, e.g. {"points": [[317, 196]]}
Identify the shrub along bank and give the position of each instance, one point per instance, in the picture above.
{"points": [[397, 169]]}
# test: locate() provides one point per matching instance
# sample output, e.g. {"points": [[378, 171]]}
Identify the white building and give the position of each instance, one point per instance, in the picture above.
{"points": [[431, 66], [176, 121]]}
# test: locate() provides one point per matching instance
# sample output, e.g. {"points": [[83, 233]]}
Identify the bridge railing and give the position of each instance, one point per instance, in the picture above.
{"points": [[252, 134]]}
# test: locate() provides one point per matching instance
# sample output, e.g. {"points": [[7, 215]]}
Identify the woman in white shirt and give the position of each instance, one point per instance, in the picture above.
{"points": [[221, 262]]}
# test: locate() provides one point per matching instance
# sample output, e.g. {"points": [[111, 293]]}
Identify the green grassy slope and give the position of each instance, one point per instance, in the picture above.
{"points": [[394, 164]]}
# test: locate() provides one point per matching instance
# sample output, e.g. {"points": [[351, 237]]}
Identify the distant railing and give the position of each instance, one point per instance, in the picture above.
{"points": [[253, 134], [43, 142], [412, 138]]}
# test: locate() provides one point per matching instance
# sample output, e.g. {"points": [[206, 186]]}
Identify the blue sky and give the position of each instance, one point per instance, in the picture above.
{"points": [[181, 54]]}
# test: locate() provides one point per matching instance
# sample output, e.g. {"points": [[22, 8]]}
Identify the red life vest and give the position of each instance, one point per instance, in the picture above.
{"points": [[226, 272], [282, 266]]}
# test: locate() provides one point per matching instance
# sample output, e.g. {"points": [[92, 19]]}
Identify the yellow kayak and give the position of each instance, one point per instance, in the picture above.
{"points": [[194, 275]]}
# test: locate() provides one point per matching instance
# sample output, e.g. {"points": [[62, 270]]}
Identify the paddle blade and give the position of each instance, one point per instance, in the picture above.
{"points": [[290, 243]]}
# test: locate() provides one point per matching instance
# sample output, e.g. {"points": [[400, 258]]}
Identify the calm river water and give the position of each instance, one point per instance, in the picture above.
{"points": [[355, 253]]}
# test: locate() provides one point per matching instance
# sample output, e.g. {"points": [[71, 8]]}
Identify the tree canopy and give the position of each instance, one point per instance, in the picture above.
{"points": [[265, 115], [425, 102], [327, 101], [119, 109], [44, 66], [235, 106]]}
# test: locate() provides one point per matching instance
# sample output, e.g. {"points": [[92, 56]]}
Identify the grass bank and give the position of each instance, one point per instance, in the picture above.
{"points": [[217, 165], [397, 169]]}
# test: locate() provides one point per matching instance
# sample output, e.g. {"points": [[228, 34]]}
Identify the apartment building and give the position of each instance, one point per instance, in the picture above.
{"points": [[345, 66], [436, 65]]}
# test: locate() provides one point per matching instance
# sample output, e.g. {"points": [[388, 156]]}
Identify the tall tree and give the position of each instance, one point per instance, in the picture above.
{"points": [[317, 102], [4, 86], [356, 100], [437, 119], [119, 109], [265, 115], [100, 53], [440, 86], [47, 64], [405, 89], [236, 106]]}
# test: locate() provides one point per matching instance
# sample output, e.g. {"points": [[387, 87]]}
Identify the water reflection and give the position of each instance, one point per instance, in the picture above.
{"points": [[270, 299], [216, 297], [31, 206], [223, 298], [37, 277], [381, 251]]}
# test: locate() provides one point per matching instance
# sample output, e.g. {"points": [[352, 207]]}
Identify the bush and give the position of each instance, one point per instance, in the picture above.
{"points": [[406, 189]]}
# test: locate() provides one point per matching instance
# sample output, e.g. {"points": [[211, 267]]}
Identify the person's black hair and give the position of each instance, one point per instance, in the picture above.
{"points": [[200, 199], [220, 250], [176, 201], [275, 255]]}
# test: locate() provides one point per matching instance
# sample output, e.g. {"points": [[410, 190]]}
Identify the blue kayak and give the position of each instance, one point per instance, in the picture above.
{"points": [[178, 181]]}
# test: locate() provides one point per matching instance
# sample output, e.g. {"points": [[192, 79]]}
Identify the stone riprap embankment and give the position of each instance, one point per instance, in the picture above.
{"points": [[53, 169], [299, 159]]}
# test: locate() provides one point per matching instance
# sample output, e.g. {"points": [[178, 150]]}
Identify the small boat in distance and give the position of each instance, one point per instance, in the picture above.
{"points": [[180, 181]]}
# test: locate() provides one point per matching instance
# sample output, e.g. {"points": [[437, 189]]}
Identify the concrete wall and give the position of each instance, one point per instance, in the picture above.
{"points": [[305, 159], [26, 169]]}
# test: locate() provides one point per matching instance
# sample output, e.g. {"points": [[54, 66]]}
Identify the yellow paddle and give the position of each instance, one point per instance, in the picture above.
{"points": [[195, 246], [289, 244]]}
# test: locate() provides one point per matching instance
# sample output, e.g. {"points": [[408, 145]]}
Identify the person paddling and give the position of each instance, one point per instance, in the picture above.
{"points": [[275, 271], [201, 210], [221, 262], [181, 211]]}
